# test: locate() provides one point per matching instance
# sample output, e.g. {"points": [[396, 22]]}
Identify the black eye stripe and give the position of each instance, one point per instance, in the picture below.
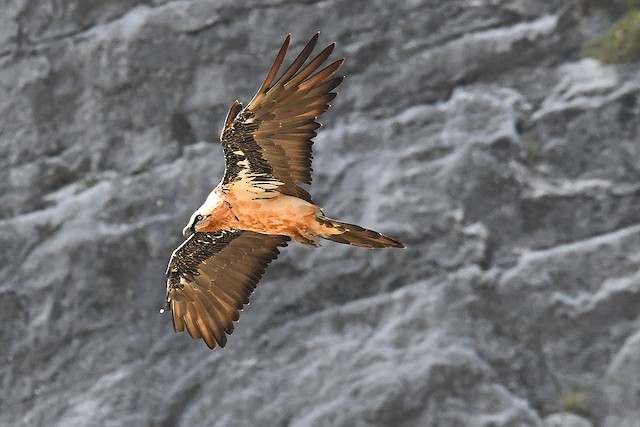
{"points": [[196, 220]]}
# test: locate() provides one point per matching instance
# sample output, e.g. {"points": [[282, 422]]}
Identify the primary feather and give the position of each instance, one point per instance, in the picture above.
{"points": [[270, 140]]}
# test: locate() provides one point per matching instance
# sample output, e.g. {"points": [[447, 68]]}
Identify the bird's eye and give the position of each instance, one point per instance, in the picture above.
{"points": [[196, 220]]}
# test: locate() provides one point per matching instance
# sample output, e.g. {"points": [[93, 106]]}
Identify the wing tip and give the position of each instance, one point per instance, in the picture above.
{"points": [[222, 342]]}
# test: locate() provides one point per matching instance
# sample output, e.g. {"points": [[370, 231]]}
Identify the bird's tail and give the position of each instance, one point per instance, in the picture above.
{"points": [[350, 234]]}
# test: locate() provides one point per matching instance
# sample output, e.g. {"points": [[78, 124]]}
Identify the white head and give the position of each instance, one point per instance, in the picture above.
{"points": [[196, 220], [201, 216]]}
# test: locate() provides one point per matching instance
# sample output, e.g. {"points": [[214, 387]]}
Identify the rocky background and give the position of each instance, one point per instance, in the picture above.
{"points": [[475, 131]]}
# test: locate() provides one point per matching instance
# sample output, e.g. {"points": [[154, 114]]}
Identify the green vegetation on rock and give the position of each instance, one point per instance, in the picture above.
{"points": [[89, 181], [621, 42], [634, 4], [576, 402]]}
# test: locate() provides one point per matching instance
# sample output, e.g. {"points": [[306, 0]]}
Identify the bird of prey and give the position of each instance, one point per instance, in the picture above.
{"points": [[258, 206]]}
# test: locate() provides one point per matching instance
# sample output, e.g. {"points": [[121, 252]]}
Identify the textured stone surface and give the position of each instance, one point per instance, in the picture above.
{"points": [[566, 419], [471, 130]]}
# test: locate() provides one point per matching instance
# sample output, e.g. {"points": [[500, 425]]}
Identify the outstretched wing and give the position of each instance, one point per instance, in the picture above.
{"points": [[268, 143], [211, 276]]}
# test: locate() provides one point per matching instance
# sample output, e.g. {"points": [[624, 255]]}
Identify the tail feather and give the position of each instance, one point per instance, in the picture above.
{"points": [[351, 234]]}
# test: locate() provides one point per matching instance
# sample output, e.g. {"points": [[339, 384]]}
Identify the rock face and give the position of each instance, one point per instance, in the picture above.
{"points": [[471, 130]]}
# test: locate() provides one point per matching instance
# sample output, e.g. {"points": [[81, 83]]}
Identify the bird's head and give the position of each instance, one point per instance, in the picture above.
{"points": [[195, 224]]}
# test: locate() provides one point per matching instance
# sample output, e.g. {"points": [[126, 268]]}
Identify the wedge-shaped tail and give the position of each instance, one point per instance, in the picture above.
{"points": [[355, 235]]}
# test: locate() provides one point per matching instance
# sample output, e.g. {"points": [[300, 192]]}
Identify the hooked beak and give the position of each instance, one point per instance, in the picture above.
{"points": [[196, 220]]}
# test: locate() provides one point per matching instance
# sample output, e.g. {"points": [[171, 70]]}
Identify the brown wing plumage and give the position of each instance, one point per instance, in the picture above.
{"points": [[271, 139], [211, 276]]}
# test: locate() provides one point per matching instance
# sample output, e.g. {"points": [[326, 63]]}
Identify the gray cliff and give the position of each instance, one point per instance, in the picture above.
{"points": [[472, 130]]}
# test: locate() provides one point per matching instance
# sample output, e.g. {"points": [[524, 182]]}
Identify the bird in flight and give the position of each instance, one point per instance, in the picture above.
{"points": [[258, 206]]}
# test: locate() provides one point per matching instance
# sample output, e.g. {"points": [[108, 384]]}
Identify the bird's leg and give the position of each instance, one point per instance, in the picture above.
{"points": [[306, 239]]}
